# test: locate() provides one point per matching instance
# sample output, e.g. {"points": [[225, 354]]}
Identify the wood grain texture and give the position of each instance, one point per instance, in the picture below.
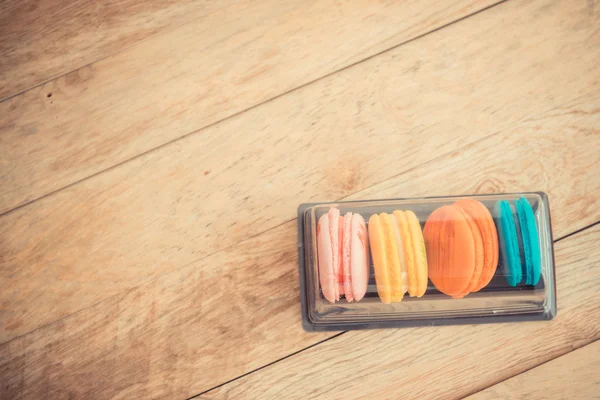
{"points": [[439, 362], [575, 375], [173, 337], [190, 77], [170, 338], [42, 39], [505, 162], [325, 141]]}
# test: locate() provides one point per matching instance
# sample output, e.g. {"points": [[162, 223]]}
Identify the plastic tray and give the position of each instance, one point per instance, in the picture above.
{"points": [[497, 301]]}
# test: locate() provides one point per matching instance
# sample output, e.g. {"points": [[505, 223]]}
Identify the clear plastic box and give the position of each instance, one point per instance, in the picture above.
{"points": [[513, 281]]}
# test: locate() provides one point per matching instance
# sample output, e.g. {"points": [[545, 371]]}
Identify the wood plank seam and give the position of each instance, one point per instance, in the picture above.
{"points": [[236, 114], [62, 74], [268, 364], [539, 365], [344, 332], [571, 376], [574, 111], [128, 290], [296, 375], [42, 83], [577, 231], [159, 24], [576, 192]]}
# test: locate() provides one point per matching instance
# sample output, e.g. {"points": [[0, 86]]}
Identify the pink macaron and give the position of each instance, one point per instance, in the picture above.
{"points": [[343, 255]]}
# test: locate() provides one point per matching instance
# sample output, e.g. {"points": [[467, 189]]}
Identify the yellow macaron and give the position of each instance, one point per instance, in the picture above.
{"points": [[384, 239], [399, 256], [414, 250]]}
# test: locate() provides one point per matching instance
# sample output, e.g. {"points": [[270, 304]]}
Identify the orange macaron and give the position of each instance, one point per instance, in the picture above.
{"points": [[462, 247], [489, 236], [450, 250]]}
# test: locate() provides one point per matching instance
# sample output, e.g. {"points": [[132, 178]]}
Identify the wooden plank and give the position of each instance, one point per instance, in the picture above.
{"points": [[542, 161], [575, 375], [172, 337], [42, 39], [326, 141], [439, 362], [238, 309], [189, 77]]}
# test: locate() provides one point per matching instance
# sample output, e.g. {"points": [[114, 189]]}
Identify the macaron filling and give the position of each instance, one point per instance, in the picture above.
{"points": [[346, 256], [519, 230], [334, 234], [531, 244]]}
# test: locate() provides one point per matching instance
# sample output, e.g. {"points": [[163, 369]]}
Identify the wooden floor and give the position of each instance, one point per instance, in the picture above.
{"points": [[153, 155]]}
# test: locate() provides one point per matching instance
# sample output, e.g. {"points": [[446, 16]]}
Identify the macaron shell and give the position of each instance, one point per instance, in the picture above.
{"points": [[393, 258], [531, 244], [336, 242], [377, 241], [409, 253], [489, 236], [360, 257], [508, 243], [325, 259], [340, 267], [434, 227], [460, 250], [479, 253], [450, 250], [401, 257], [420, 254]]}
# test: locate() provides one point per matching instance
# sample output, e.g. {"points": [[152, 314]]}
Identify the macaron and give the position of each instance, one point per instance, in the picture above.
{"points": [[399, 256], [355, 257], [462, 247], [414, 252], [451, 252], [518, 242], [484, 222], [343, 256], [531, 245], [386, 246], [508, 240]]}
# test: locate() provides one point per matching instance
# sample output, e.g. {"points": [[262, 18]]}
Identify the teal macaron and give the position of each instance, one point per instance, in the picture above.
{"points": [[508, 241], [518, 242], [531, 245]]}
